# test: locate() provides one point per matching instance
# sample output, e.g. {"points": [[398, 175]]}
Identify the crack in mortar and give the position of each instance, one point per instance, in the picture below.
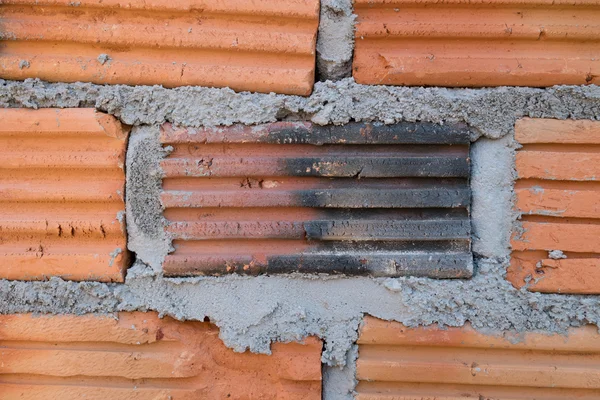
{"points": [[492, 111]]}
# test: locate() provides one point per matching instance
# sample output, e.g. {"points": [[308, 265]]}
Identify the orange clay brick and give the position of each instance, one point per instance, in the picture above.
{"points": [[396, 362], [250, 45], [139, 356], [534, 130], [578, 275], [557, 196], [482, 43], [61, 195]]}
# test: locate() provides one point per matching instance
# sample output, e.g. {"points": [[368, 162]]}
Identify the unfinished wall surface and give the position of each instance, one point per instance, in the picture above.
{"points": [[486, 43], [139, 356], [222, 182], [253, 312], [261, 46], [62, 195], [556, 242]]}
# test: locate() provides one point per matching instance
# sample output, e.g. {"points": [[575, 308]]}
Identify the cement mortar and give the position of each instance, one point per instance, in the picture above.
{"points": [[145, 222], [335, 43], [252, 312], [492, 112]]}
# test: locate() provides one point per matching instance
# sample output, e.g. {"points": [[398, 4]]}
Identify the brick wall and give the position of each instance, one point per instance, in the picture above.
{"points": [[62, 188], [556, 245], [139, 356]]}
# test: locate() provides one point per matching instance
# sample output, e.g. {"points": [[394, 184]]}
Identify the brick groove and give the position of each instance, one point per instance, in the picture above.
{"points": [[256, 46], [476, 44], [61, 191], [139, 356], [294, 197], [557, 194], [397, 362]]}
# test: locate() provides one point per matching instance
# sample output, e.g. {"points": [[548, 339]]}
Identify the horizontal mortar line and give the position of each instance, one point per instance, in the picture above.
{"points": [[108, 382]]}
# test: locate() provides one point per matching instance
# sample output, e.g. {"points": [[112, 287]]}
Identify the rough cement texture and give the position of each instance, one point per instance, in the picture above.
{"points": [[335, 42], [340, 381], [145, 223], [492, 112], [254, 311]]}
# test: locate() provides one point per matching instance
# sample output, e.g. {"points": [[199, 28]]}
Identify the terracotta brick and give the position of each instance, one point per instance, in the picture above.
{"points": [[535, 130], [247, 45], [61, 191], [483, 43], [396, 362], [139, 356], [290, 197], [557, 194]]}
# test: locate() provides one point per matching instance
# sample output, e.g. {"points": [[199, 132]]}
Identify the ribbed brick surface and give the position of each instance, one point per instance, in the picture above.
{"points": [[477, 43], [558, 195], [251, 45], [61, 195], [396, 362], [142, 357], [292, 197]]}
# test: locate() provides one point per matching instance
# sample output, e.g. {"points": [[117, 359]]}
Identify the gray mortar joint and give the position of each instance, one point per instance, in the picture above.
{"points": [[253, 312]]}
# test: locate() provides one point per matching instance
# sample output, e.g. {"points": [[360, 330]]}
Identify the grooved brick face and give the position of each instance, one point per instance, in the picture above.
{"points": [[292, 197], [557, 194], [142, 357], [61, 195], [463, 43], [396, 362], [254, 45]]}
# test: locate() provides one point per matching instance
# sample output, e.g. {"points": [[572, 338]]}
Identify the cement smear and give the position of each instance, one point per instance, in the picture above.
{"points": [[252, 312], [492, 112], [335, 43], [145, 223]]}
